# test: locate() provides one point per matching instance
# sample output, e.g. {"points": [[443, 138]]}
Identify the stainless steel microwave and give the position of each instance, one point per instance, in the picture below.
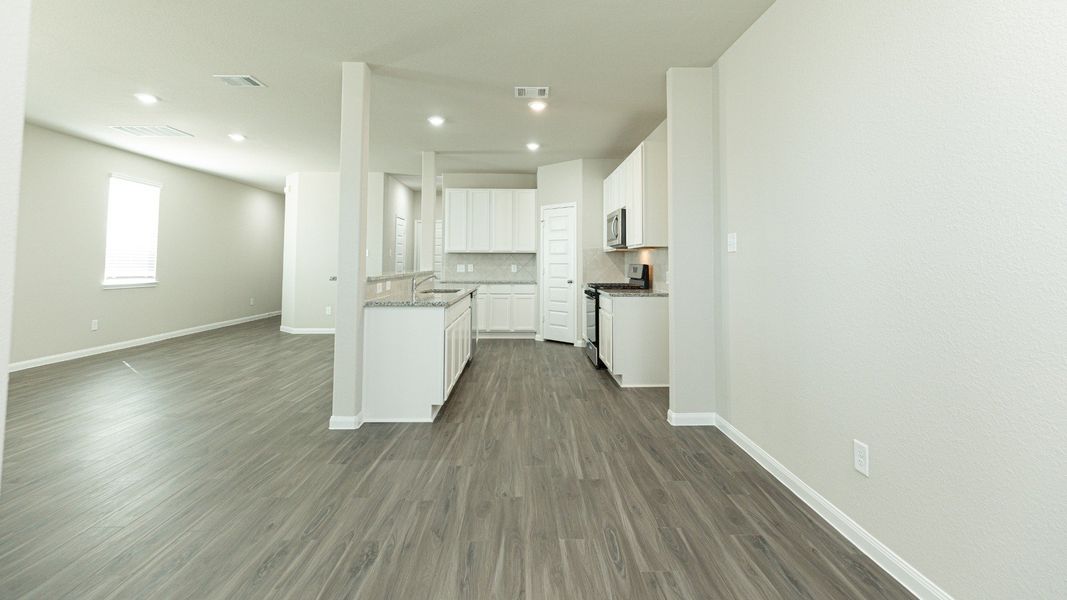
{"points": [[616, 228]]}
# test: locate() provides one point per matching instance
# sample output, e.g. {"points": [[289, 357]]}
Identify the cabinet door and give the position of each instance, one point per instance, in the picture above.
{"points": [[604, 344], [503, 220], [609, 206], [449, 359], [466, 333], [483, 311], [456, 220], [526, 221], [523, 313], [500, 312], [479, 220], [635, 198]]}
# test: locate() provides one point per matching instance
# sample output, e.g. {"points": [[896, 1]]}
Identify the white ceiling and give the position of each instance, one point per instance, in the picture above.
{"points": [[605, 60]]}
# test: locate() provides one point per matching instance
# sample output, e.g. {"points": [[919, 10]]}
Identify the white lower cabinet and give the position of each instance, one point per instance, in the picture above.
{"points": [[415, 357], [633, 339], [507, 308]]}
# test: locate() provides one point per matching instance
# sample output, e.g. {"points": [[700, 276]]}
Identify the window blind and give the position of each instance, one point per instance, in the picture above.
{"points": [[132, 232]]}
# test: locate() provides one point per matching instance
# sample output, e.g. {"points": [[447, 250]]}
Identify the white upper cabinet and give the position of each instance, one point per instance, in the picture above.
{"points": [[481, 220], [525, 226], [639, 185], [456, 220]]}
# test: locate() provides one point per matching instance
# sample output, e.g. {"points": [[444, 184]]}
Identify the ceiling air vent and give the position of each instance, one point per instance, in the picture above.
{"points": [[151, 131], [240, 80], [524, 91]]}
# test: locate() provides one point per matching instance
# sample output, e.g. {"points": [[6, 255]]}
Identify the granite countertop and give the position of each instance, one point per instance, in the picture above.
{"points": [[421, 300], [635, 293], [374, 278], [488, 281]]}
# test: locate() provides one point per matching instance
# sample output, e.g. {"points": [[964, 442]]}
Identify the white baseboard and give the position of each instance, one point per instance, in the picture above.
{"points": [[691, 419], [306, 330], [401, 420], [159, 337], [506, 335], [897, 567], [339, 422]]}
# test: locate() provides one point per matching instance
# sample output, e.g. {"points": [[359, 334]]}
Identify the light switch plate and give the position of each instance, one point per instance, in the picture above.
{"points": [[329, 310], [378, 288], [514, 268], [731, 242], [470, 268], [461, 268], [94, 325], [388, 285]]}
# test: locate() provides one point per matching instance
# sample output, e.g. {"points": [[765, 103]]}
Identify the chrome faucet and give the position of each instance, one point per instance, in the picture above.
{"points": [[415, 283]]}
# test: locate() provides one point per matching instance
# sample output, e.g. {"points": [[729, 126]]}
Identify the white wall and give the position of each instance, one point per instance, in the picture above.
{"points": [[220, 243], [895, 173], [375, 222], [14, 40], [399, 202], [311, 203]]}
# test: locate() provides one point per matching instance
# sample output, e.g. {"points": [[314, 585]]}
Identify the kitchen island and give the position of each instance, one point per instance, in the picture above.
{"points": [[416, 347]]}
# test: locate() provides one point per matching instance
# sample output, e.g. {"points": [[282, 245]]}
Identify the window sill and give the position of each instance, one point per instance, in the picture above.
{"points": [[128, 284]]}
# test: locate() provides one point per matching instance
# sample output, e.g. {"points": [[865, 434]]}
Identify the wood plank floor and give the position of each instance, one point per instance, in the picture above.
{"points": [[201, 467]]}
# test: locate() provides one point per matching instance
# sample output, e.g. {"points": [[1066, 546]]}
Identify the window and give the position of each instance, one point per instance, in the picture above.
{"points": [[132, 230]]}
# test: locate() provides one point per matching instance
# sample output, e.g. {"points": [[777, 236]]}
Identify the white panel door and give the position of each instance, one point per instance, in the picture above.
{"points": [[523, 312], [456, 202], [480, 221], [558, 310], [503, 220], [525, 228], [400, 252], [499, 312]]}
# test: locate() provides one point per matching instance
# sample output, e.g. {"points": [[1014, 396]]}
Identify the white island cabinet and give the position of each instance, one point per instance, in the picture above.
{"points": [[633, 338], [413, 355]]}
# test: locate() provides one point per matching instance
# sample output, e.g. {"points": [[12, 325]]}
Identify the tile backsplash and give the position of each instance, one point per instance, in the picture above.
{"points": [[490, 267], [600, 266]]}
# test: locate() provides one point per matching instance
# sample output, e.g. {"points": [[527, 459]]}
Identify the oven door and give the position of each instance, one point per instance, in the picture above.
{"points": [[591, 326]]}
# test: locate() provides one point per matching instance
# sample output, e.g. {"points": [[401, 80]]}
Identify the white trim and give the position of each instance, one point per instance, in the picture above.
{"points": [[117, 284], [400, 420], [306, 330], [691, 419], [897, 567], [159, 337], [340, 422], [507, 335]]}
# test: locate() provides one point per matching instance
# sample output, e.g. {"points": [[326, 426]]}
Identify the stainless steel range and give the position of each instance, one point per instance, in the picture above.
{"points": [[639, 279]]}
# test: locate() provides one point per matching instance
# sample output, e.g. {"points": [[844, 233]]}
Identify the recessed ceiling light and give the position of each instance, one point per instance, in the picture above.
{"points": [[148, 99], [237, 137], [436, 120], [538, 105], [533, 146]]}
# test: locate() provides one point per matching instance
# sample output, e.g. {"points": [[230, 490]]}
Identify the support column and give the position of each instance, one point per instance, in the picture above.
{"points": [[14, 44], [429, 199], [694, 240], [352, 247]]}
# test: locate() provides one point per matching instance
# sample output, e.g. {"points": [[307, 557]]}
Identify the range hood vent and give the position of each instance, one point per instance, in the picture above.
{"points": [[240, 80], [531, 91], [151, 131]]}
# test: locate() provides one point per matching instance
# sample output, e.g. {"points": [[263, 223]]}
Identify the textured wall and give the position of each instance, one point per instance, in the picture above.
{"points": [[895, 173]]}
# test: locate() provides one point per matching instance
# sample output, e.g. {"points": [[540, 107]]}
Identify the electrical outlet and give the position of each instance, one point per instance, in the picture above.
{"points": [[94, 325], [461, 268], [470, 268], [251, 301], [388, 285], [514, 268], [861, 458], [329, 310], [731, 242], [378, 288]]}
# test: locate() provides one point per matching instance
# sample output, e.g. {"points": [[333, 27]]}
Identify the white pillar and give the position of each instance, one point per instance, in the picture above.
{"points": [[694, 240], [14, 42], [429, 198], [352, 247]]}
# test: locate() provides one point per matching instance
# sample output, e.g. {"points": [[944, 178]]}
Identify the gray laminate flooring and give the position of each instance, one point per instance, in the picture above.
{"points": [[202, 467]]}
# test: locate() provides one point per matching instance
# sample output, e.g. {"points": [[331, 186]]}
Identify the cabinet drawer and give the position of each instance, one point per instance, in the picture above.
{"points": [[456, 310]]}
